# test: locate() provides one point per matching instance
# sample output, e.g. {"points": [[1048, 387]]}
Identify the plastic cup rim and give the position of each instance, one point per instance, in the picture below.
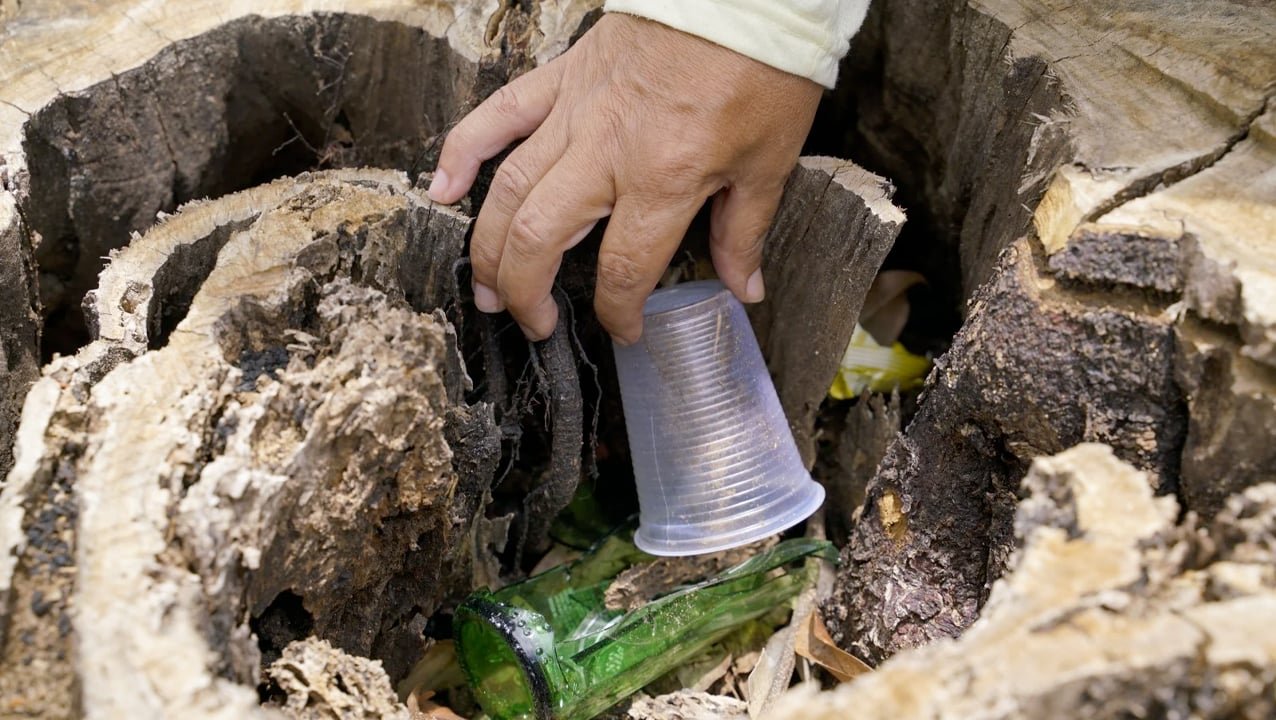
{"points": [[735, 538], [718, 290]]}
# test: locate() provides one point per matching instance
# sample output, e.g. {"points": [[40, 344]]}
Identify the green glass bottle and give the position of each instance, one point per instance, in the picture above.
{"points": [[548, 648]]}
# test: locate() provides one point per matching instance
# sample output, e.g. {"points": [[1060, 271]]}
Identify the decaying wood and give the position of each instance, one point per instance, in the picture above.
{"points": [[807, 318], [258, 430], [687, 705], [1103, 174], [1111, 609], [301, 433], [857, 439], [320, 682], [100, 128]]}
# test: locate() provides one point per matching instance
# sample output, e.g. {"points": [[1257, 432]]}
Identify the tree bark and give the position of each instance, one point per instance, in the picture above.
{"points": [[1110, 609], [1102, 172], [808, 316]]}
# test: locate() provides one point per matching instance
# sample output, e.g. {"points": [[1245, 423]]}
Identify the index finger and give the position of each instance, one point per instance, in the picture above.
{"points": [[510, 113], [557, 214], [642, 237]]}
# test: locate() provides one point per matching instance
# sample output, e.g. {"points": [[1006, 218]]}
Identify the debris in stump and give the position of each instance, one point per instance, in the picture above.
{"points": [[772, 673], [886, 306], [874, 360], [1109, 609], [321, 682], [867, 366], [423, 708], [638, 585], [687, 705], [813, 643], [437, 670], [550, 647]]}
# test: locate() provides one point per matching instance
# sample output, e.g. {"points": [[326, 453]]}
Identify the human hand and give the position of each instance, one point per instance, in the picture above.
{"points": [[641, 122]]}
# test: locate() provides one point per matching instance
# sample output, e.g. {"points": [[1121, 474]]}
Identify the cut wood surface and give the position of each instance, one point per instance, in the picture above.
{"points": [[113, 111], [1105, 173]]}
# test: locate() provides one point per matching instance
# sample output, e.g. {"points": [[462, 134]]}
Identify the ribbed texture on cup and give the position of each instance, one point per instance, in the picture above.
{"points": [[714, 460]]}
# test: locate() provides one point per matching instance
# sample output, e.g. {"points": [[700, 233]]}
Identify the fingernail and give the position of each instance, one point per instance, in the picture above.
{"points": [[438, 187], [486, 299], [754, 289]]}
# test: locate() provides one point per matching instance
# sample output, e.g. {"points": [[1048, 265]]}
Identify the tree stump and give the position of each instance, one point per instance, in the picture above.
{"points": [[271, 415], [1102, 174], [269, 468], [1110, 609]]}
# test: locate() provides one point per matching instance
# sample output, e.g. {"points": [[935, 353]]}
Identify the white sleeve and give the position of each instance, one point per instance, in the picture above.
{"points": [[803, 37]]}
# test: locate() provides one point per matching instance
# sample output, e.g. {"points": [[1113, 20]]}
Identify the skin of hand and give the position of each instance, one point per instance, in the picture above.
{"points": [[640, 122]]}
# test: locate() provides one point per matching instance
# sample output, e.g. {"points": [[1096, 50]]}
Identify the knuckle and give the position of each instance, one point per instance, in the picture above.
{"points": [[505, 101], [528, 235], [673, 174], [510, 185], [485, 260], [620, 274], [750, 246]]}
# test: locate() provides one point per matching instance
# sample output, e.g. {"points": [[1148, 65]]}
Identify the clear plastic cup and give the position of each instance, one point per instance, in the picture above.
{"points": [[714, 460]]}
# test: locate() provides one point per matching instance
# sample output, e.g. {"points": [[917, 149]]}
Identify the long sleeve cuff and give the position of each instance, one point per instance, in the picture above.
{"points": [[803, 37]]}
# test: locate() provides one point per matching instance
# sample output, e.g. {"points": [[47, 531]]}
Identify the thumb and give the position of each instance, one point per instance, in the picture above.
{"points": [[739, 221]]}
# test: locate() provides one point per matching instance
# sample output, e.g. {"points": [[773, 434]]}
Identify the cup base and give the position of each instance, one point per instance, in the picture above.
{"points": [[807, 500]]}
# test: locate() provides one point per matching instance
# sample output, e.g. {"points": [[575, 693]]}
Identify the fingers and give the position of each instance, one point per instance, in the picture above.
{"points": [[642, 236], [510, 113], [739, 221], [557, 214], [511, 185]]}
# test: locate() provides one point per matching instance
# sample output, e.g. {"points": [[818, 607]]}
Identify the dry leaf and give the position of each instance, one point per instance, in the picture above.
{"points": [[423, 708], [438, 669], [433, 711], [813, 643], [686, 705], [715, 674], [744, 664], [774, 670], [772, 674], [558, 554]]}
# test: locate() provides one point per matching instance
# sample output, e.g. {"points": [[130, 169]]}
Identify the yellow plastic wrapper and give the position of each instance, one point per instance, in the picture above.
{"points": [[870, 367]]}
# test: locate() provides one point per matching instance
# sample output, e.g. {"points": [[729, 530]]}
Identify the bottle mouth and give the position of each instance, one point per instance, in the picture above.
{"points": [[503, 665]]}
